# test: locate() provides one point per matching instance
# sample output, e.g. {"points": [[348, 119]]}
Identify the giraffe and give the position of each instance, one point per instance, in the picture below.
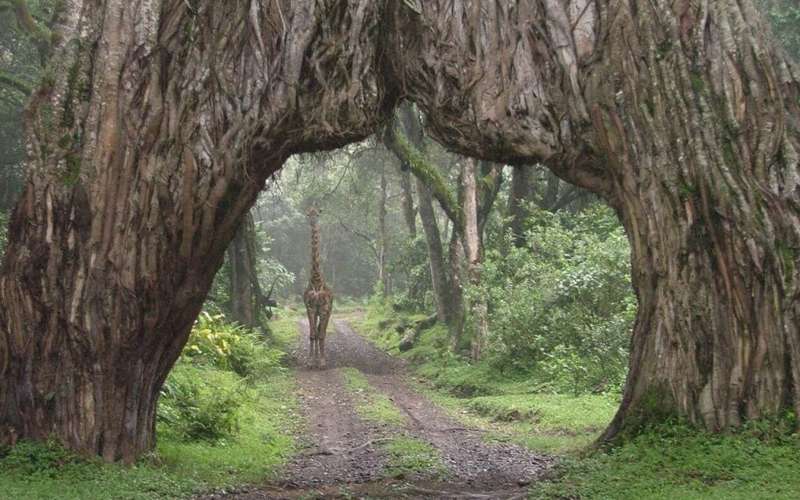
{"points": [[317, 297]]}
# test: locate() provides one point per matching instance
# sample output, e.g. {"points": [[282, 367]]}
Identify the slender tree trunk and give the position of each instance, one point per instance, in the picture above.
{"points": [[409, 212], [455, 307], [439, 279], [383, 245], [245, 292], [521, 187], [474, 255]]}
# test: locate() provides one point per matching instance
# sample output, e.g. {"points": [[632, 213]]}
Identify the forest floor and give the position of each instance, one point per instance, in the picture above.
{"points": [[369, 433]]}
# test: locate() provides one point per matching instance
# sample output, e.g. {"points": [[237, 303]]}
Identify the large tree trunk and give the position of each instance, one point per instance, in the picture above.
{"points": [[148, 146], [685, 118]]}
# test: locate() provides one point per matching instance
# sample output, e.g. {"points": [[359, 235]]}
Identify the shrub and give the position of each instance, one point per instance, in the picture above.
{"points": [[37, 459], [229, 346], [201, 404], [562, 310]]}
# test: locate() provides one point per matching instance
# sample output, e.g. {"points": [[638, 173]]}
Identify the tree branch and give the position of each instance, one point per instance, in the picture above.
{"points": [[426, 172]]}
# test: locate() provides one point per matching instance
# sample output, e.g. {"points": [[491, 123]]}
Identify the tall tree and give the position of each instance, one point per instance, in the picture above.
{"points": [[163, 118], [248, 301]]}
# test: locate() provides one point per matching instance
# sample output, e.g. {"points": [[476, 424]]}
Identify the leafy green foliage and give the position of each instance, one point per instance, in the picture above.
{"points": [[562, 310], [203, 394], [509, 403], [231, 347], [34, 471], [201, 404]]}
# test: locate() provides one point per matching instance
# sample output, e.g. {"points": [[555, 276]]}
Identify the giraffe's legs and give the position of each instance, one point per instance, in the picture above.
{"points": [[324, 316], [312, 336]]}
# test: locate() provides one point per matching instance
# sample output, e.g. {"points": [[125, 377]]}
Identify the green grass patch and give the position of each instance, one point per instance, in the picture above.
{"points": [[410, 456], [678, 462], [283, 329], [371, 404], [549, 412], [264, 439], [47, 471], [512, 404]]}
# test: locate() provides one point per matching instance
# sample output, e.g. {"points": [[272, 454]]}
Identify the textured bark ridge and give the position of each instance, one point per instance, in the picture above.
{"points": [[165, 117]]}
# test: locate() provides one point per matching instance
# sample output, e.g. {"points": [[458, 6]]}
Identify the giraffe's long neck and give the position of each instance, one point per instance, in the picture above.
{"points": [[316, 273]]}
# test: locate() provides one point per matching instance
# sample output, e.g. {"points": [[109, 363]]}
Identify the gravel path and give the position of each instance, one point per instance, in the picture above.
{"points": [[342, 457]]}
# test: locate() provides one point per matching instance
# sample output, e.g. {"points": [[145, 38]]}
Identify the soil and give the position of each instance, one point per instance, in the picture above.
{"points": [[342, 455]]}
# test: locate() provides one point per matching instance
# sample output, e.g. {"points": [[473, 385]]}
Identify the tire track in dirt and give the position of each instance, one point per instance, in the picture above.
{"points": [[342, 457]]}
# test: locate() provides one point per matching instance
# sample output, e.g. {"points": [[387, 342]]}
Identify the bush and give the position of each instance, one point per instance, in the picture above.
{"points": [[37, 459], [201, 404], [229, 346], [562, 310]]}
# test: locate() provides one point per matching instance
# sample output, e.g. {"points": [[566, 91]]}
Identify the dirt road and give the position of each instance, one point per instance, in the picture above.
{"points": [[343, 456]]}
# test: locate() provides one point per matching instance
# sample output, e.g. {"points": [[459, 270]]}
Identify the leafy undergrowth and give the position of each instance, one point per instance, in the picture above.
{"points": [[676, 462], [223, 419], [409, 456], [371, 404]]}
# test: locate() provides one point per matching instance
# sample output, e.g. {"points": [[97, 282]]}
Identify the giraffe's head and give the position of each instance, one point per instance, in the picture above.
{"points": [[313, 214]]}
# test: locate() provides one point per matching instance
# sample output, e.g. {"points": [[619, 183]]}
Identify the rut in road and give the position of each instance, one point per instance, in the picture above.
{"points": [[343, 455]]}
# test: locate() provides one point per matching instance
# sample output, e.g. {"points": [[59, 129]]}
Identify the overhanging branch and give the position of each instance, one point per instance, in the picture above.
{"points": [[427, 173]]}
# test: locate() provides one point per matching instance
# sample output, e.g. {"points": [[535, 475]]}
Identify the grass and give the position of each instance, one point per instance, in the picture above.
{"points": [[676, 462], [261, 445], [371, 404], [177, 468], [411, 456]]}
